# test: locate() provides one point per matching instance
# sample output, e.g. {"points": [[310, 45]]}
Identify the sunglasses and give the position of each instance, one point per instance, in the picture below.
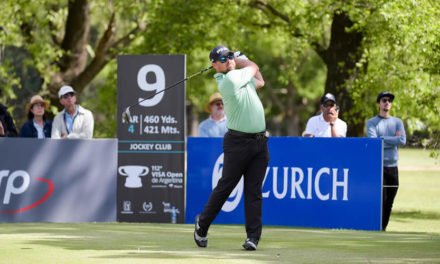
{"points": [[329, 105], [223, 59], [41, 105], [219, 103], [67, 95], [384, 100]]}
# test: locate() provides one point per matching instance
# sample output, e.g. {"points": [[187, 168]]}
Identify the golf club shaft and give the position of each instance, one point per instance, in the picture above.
{"points": [[171, 86]]}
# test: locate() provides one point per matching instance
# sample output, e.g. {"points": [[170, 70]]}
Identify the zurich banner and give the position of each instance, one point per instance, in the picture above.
{"points": [[310, 182]]}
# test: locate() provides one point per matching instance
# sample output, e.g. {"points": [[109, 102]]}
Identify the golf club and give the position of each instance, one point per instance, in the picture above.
{"points": [[126, 116]]}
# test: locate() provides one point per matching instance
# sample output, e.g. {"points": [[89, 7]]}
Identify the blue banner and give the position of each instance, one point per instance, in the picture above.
{"points": [[310, 182]]}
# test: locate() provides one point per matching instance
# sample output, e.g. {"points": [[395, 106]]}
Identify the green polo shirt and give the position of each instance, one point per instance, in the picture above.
{"points": [[243, 107]]}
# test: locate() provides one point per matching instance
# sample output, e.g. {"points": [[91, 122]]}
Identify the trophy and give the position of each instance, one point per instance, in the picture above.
{"points": [[133, 173]]}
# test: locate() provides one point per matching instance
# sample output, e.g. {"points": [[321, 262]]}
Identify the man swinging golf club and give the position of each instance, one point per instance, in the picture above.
{"points": [[244, 145]]}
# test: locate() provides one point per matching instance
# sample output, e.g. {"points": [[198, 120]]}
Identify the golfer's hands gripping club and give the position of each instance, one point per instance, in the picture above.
{"points": [[126, 116], [240, 55]]}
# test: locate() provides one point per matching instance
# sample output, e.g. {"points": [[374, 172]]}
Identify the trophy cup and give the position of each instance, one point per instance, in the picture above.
{"points": [[133, 173]]}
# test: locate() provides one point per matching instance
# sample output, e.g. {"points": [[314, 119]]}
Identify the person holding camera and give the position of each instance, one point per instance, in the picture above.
{"points": [[327, 124]]}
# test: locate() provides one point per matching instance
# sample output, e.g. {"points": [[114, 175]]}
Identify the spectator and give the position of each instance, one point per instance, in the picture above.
{"points": [[74, 121], [327, 124], [390, 129], [7, 127], [37, 126], [215, 124]]}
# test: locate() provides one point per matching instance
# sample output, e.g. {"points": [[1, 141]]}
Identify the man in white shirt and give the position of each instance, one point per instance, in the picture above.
{"points": [[215, 124], [74, 121], [327, 124]]}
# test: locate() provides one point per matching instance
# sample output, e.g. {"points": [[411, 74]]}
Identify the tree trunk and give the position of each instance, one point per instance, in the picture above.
{"points": [[75, 70], [344, 51], [74, 45]]}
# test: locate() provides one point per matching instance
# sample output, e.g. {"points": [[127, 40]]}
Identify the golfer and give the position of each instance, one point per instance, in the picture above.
{"points": [[244, 145]]}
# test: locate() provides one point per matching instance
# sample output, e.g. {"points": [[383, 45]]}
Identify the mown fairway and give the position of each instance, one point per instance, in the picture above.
{"points": [[166, 243]]}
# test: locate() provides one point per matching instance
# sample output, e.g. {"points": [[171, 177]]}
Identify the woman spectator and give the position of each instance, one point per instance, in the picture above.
{"points": [[37, 126]]}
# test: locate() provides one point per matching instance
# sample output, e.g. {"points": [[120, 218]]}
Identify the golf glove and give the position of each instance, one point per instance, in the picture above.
{"points": [[240, 55]]}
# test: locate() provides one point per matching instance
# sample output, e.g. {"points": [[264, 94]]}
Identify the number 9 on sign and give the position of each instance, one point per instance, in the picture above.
{"points": [[156, 87]]}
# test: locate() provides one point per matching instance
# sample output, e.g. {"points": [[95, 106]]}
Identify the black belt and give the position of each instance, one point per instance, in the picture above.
{"points": [[259, 135]]}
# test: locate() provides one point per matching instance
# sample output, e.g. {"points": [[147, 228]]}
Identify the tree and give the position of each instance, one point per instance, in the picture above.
{"points": [[66, 44], [403, 56], [352, 48], [339, 46]]}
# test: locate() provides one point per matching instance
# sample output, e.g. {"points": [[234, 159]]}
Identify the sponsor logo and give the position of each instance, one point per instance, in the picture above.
{"points": [[126, 208], [17, 183], [147, 208], [235, 196], [301, 185], [172, 210], [167, 208], [309, 187], [165, 179], [133, 173], [221, 50]]}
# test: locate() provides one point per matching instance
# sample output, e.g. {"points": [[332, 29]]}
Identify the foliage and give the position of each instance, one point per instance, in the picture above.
{"points": [[402, 53], [399, 52]]}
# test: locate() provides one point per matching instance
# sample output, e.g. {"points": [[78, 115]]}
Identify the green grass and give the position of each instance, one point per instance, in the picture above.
{"points": [[417, 158], [413, 235], [167, 243], [417, 204]]}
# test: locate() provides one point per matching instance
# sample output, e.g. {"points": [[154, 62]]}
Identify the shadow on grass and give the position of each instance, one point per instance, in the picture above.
{"points": [[157, 242], [415, 215], [127, 241]]}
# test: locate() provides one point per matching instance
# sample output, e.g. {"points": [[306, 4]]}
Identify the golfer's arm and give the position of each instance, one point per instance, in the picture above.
{"points": [[259, 82], [242, 63], [253, 70]]}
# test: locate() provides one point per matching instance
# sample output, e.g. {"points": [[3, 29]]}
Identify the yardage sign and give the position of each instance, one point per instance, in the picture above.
{"points": [[151, 145]]}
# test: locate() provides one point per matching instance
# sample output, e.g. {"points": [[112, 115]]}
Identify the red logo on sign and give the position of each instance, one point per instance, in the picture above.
{"points": [[47, 195]]}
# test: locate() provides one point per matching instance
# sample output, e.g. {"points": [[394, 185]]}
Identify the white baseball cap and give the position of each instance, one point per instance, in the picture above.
{"points": [[64, 90]]}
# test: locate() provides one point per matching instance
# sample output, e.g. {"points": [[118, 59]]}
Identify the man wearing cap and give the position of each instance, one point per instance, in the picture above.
{"points": [[37, 126], [74, 121], [215, 125], [327, 124], [7, 127], [244, 145], [390, 129]]}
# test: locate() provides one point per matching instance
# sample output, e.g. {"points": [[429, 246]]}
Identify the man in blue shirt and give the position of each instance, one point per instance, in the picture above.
{"points": [[215, 124], [74, 121], [391, 130]]}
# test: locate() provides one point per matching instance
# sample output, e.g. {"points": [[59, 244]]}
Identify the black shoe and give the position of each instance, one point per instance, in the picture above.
{"points": [[251, 243], [200, 235]]}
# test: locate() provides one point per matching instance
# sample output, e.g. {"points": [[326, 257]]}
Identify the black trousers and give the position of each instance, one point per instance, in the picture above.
{"points": [[390, 187], [247, 156]]}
